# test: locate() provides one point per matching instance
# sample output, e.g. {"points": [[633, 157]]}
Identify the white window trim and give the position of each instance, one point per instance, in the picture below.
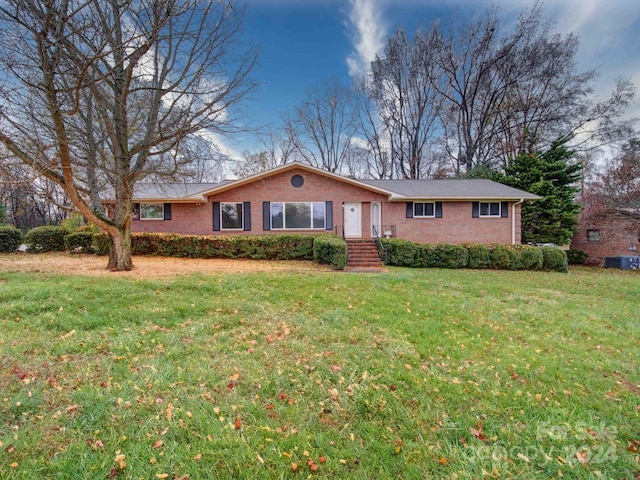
{"points": [[284, 216], [234, 229], [147, 219], [424, 216], [480, 215]]}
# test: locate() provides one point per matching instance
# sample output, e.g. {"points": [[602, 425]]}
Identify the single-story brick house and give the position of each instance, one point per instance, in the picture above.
{"points": [[607, 234], [300, 198]]}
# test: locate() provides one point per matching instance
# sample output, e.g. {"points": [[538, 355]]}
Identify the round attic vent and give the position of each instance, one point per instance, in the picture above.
{"points": [[297, 181]]}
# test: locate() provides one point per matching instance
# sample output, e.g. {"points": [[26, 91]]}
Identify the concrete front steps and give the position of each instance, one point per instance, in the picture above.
{"points": [[363, 254]]}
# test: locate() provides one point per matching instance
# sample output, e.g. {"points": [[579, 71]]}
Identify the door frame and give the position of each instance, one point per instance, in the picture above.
{"points": [[377, 220], [351, 234]]}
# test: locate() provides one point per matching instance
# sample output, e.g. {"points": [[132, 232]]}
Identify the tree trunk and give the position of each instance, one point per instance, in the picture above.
{"points": [[120, 254]]}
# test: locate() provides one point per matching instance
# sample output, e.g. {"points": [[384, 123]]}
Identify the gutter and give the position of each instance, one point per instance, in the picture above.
{"points": [[513, 221]]}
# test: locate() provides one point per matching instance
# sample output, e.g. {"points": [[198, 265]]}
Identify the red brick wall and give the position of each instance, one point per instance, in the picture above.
{"points": [[618, 236], [456, 226]]}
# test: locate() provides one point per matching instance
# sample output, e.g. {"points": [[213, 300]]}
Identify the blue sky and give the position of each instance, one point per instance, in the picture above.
{"points": [[304, 42]]}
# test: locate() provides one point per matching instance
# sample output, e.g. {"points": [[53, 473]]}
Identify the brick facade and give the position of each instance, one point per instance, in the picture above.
{"points": [[456, 225], [616, 235]]}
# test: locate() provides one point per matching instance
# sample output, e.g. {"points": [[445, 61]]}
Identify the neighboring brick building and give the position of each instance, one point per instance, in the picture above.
{"points": [[607, 234], [299, 198]]}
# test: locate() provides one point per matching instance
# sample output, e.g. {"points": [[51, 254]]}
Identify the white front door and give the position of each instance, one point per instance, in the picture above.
{"points": [[375, 220], [352, 220]]}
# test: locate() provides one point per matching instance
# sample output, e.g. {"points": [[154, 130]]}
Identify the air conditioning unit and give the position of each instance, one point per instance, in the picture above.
{"points": [[623, 262]]}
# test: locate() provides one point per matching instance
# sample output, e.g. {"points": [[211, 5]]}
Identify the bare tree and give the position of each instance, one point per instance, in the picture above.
{"points": [[507, 94], [370, 126], [274, 150], [136, 77], [407, 103], [322, 126]]}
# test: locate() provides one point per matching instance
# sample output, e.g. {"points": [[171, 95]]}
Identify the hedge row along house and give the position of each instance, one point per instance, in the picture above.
{"points": [[297, 198]]}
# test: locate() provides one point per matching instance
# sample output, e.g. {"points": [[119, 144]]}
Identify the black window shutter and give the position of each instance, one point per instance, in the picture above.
{"points": [[167, 211], [136, 211], [246, 213], [266, 216], [328, 211], [438, 209], [504, 209], [216, 216], [409, 209], [475, 209]]}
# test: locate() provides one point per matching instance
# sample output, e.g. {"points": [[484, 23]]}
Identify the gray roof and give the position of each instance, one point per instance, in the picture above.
{"points": [[453, 189], [398, 190], [171, 191]]}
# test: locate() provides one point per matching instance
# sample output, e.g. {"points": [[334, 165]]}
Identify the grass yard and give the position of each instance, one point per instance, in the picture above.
{"points": [[407, 374]]}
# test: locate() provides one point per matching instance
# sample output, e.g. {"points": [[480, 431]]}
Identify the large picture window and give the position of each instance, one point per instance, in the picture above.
{"points": [[298, 215], [152, 211], [231, 216]]}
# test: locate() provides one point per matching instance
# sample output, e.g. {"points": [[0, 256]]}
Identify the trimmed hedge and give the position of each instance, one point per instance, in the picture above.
{"points": [[555, 260], [479, 256], [330, 250], [577, 257], [258, 247], [79, 242], [402, 253], [46, 239], [10, 238]]}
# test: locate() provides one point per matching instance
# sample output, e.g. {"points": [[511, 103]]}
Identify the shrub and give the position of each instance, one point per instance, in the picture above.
{"points": [[450, 256], [503, 258], [555, 260], [101, 243], [531, 258], [479, 256], [577, 257], [400, 253], [10, 238], [46, 239], [330, 250], [79, 242]]}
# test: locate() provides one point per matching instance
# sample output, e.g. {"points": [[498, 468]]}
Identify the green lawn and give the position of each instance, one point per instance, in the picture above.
{"points": [[406, 374]]}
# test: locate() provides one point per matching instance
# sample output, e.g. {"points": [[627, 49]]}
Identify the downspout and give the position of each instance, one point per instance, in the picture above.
{"points": [[513, 221]]}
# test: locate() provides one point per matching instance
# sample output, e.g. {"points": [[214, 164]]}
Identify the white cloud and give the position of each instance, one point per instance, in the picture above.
{"points": [[367, 32]]}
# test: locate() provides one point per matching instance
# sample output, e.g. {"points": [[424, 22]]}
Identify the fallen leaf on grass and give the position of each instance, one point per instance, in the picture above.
{"points": [[238, 424], [582, 456], [157, 444], [120, 460]]}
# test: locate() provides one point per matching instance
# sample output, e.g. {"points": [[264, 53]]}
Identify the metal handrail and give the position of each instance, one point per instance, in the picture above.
{"points": [[382, 252]]}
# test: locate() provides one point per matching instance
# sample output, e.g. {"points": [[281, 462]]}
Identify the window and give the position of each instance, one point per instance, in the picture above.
{"points": [[593, 235], [297, 181], [152, 211], [298, 215], [489, 209], [231, 216], [424, 209]]}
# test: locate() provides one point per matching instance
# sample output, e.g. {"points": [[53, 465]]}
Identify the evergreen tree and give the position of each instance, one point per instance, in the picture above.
{"points": [[552, 176]]}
